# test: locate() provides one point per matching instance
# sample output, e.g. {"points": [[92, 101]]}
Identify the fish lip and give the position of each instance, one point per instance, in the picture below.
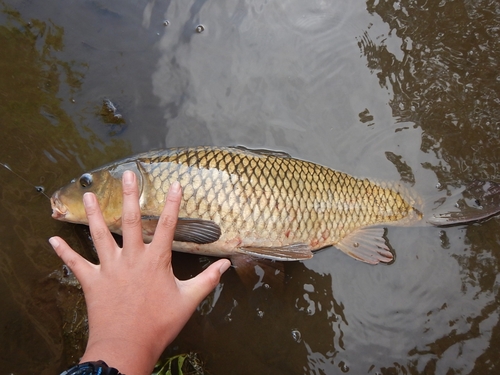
{"points": [[59, 210]]}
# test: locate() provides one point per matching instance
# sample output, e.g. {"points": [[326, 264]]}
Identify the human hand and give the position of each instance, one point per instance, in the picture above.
{"points": [[136, 306]]}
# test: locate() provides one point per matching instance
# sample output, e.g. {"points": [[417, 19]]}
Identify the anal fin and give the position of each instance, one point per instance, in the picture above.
{"points": [[368, 245]]}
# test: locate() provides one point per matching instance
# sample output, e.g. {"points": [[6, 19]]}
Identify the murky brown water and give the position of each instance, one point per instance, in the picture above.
{"points": [[393, 90]]}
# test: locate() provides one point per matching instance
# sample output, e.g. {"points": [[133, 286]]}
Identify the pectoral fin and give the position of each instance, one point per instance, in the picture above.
{"points": [[189, 230], [368, 245], [298, 251]]}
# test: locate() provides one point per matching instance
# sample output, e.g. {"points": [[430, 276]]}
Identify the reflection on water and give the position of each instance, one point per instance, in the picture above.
{"points": [[392, 90], [443, 76], [40, 143]]}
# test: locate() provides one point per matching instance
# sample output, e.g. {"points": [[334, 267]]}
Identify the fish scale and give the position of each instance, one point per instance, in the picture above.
{"points": [[282, 200]]}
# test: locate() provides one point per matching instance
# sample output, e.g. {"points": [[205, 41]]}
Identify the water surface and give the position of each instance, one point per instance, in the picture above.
{"points": [[392, 90]]}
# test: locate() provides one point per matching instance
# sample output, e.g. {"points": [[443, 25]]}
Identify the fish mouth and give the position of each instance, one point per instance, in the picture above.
{"points": [[59, 210]]}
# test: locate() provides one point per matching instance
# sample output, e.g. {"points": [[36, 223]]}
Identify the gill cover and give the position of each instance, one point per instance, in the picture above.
{"points": [[134, 166]]}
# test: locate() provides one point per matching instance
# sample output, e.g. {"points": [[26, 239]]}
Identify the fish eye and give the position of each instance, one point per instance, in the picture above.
{"points": [[85, 180]]}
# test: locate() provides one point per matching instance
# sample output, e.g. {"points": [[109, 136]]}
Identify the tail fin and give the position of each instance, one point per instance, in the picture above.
{"points": [[479, 201]]}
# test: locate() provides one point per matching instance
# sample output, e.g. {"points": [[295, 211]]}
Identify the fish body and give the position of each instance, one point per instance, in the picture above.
{"points": [[248, 202]]}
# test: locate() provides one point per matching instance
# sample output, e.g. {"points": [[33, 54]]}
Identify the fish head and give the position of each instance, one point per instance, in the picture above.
{"points": [[105, 183]]}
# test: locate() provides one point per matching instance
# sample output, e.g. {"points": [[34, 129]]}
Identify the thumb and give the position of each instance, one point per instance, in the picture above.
{"points": [[80, 266], [201, 285]]}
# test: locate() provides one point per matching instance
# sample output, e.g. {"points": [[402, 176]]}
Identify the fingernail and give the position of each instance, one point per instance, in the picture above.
{"points": [[224, 266], [87, 199], [175, 187], [128, 178], [53, 242]]}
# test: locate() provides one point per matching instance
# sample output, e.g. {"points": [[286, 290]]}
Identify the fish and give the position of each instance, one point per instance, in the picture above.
{"points": [[239, 202]]}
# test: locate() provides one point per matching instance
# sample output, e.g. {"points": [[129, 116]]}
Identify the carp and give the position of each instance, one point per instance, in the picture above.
{"points": [[259, 203]]}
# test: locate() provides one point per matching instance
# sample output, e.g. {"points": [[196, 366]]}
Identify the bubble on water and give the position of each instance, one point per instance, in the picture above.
{"points": [[343, 366], [296, 335], [200, 28], [260, 313], [439, 186], [166, 23]]}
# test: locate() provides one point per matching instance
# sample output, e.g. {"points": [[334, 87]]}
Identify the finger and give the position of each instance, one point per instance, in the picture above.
{"points": [[80, 266], [164, 234], [103, 240], [201, 285], [131, 214]]}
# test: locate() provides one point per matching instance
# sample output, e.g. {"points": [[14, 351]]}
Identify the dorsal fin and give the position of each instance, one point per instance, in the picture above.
{"points": [[263, 152]]}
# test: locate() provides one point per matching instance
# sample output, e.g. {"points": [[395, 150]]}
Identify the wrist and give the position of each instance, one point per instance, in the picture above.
{"points": [[126, 356], [92, 368]]}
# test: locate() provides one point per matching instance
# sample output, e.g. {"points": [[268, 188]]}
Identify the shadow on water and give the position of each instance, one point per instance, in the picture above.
{"points": [[292, 328], [420, 104]]}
